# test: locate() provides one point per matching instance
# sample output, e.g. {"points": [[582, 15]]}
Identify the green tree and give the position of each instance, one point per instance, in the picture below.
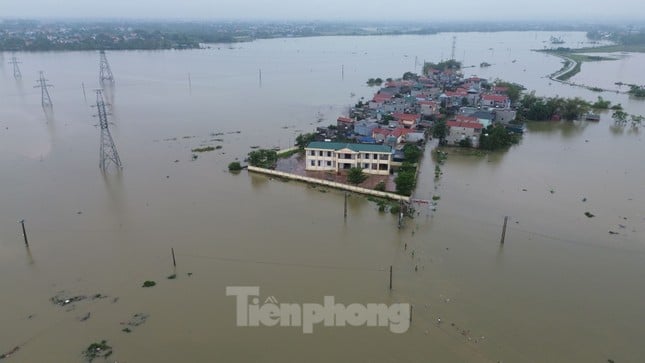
{"points": [[263, 158], [405, 182], [303, 140], [440, 130], [356, 176], [601, 104], [411, 153], [496, 137], [620, 117]]}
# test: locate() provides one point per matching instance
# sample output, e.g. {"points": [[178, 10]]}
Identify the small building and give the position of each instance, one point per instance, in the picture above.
{"points": [[345, 125], [496, 101], [407, 120], [460, 130], [505, 116], [337, 156], [429, 108], [364, 127]]}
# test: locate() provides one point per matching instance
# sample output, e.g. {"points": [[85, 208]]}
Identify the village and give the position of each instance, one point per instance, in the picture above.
{"points": [[377, 145]]}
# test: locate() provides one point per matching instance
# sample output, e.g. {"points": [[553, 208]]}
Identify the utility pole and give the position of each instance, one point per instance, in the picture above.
{"points": [[24, 232], [16, 69], [105, 73], [501, 241], [107, 153], [46, 100]]}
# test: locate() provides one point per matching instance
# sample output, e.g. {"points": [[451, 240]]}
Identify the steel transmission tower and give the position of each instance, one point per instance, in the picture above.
{"points": [[107, 154], [105, 73], [16, 69], [43, 85], [454, 44]]}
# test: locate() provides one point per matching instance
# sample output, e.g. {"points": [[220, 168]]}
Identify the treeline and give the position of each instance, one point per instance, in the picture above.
{"points": [[140, 40], [536, 108]]}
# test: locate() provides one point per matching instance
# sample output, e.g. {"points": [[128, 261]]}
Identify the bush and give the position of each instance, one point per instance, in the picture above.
{"points": [[380, 186], [356, 176], [467, 142], [234, 166]]}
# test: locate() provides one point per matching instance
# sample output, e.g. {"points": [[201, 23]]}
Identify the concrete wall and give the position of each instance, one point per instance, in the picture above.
{"points": [[330, 184]]}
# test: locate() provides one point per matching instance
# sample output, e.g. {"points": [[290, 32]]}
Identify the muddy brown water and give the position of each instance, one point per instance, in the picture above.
{"points": [[561, 289]]}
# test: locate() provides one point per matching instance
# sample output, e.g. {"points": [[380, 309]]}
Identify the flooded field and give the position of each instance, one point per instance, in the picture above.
{"points": [[561, 289]]}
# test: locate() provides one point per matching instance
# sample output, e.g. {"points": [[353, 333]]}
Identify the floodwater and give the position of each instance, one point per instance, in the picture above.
{"points": [[561, 289]]}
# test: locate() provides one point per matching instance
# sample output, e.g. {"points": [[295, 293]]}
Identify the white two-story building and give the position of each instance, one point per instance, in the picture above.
{"points": [[337, 156]]}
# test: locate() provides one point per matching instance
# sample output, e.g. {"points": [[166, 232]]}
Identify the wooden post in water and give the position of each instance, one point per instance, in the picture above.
{"points": [[342, 71], [174, 262], [24, 232], [400, 213], [260, 76], [190, 85], [411, 313], [345, 211], [390, 277], [504, 230]]}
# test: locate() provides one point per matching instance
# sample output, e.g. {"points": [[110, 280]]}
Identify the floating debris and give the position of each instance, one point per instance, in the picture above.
{"points": [[97, 350], [136, 320], [204, 149], [127, 330], [612, 232], [63, 298], [172, 277], [589, 215], [85, 317]]}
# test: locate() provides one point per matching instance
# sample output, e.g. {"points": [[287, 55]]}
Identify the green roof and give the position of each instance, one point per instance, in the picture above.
{"points": [[353, 147]]}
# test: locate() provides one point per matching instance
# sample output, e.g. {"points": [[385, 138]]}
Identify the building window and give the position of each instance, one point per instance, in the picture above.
{"points": [[320, 153], [366, 166], [328, 163], [382, 167], [348, 156], [312, 153], [374, 166], [375, 156], [367, 156], [328, 153], [385, 157], [313, 163]]}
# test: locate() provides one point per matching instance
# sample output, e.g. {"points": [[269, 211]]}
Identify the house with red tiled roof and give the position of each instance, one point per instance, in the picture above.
{"points": [[390, 136], [407, 120], [495, 101], [345, 124], [460, 130]]}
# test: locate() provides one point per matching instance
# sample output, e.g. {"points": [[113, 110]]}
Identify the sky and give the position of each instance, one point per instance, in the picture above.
{"points": [[377, 10]]}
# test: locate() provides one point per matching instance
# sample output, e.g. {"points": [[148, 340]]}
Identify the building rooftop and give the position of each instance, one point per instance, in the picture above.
{"points": [[353, 147]]}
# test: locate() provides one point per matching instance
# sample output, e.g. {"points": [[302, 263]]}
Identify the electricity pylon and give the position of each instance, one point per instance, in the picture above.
{"points": [[107, 153], [105, 73], [16, 69], [46, 100]]}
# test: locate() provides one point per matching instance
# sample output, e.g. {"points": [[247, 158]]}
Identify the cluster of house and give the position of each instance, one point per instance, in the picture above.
{"points": [[400, 112]]}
